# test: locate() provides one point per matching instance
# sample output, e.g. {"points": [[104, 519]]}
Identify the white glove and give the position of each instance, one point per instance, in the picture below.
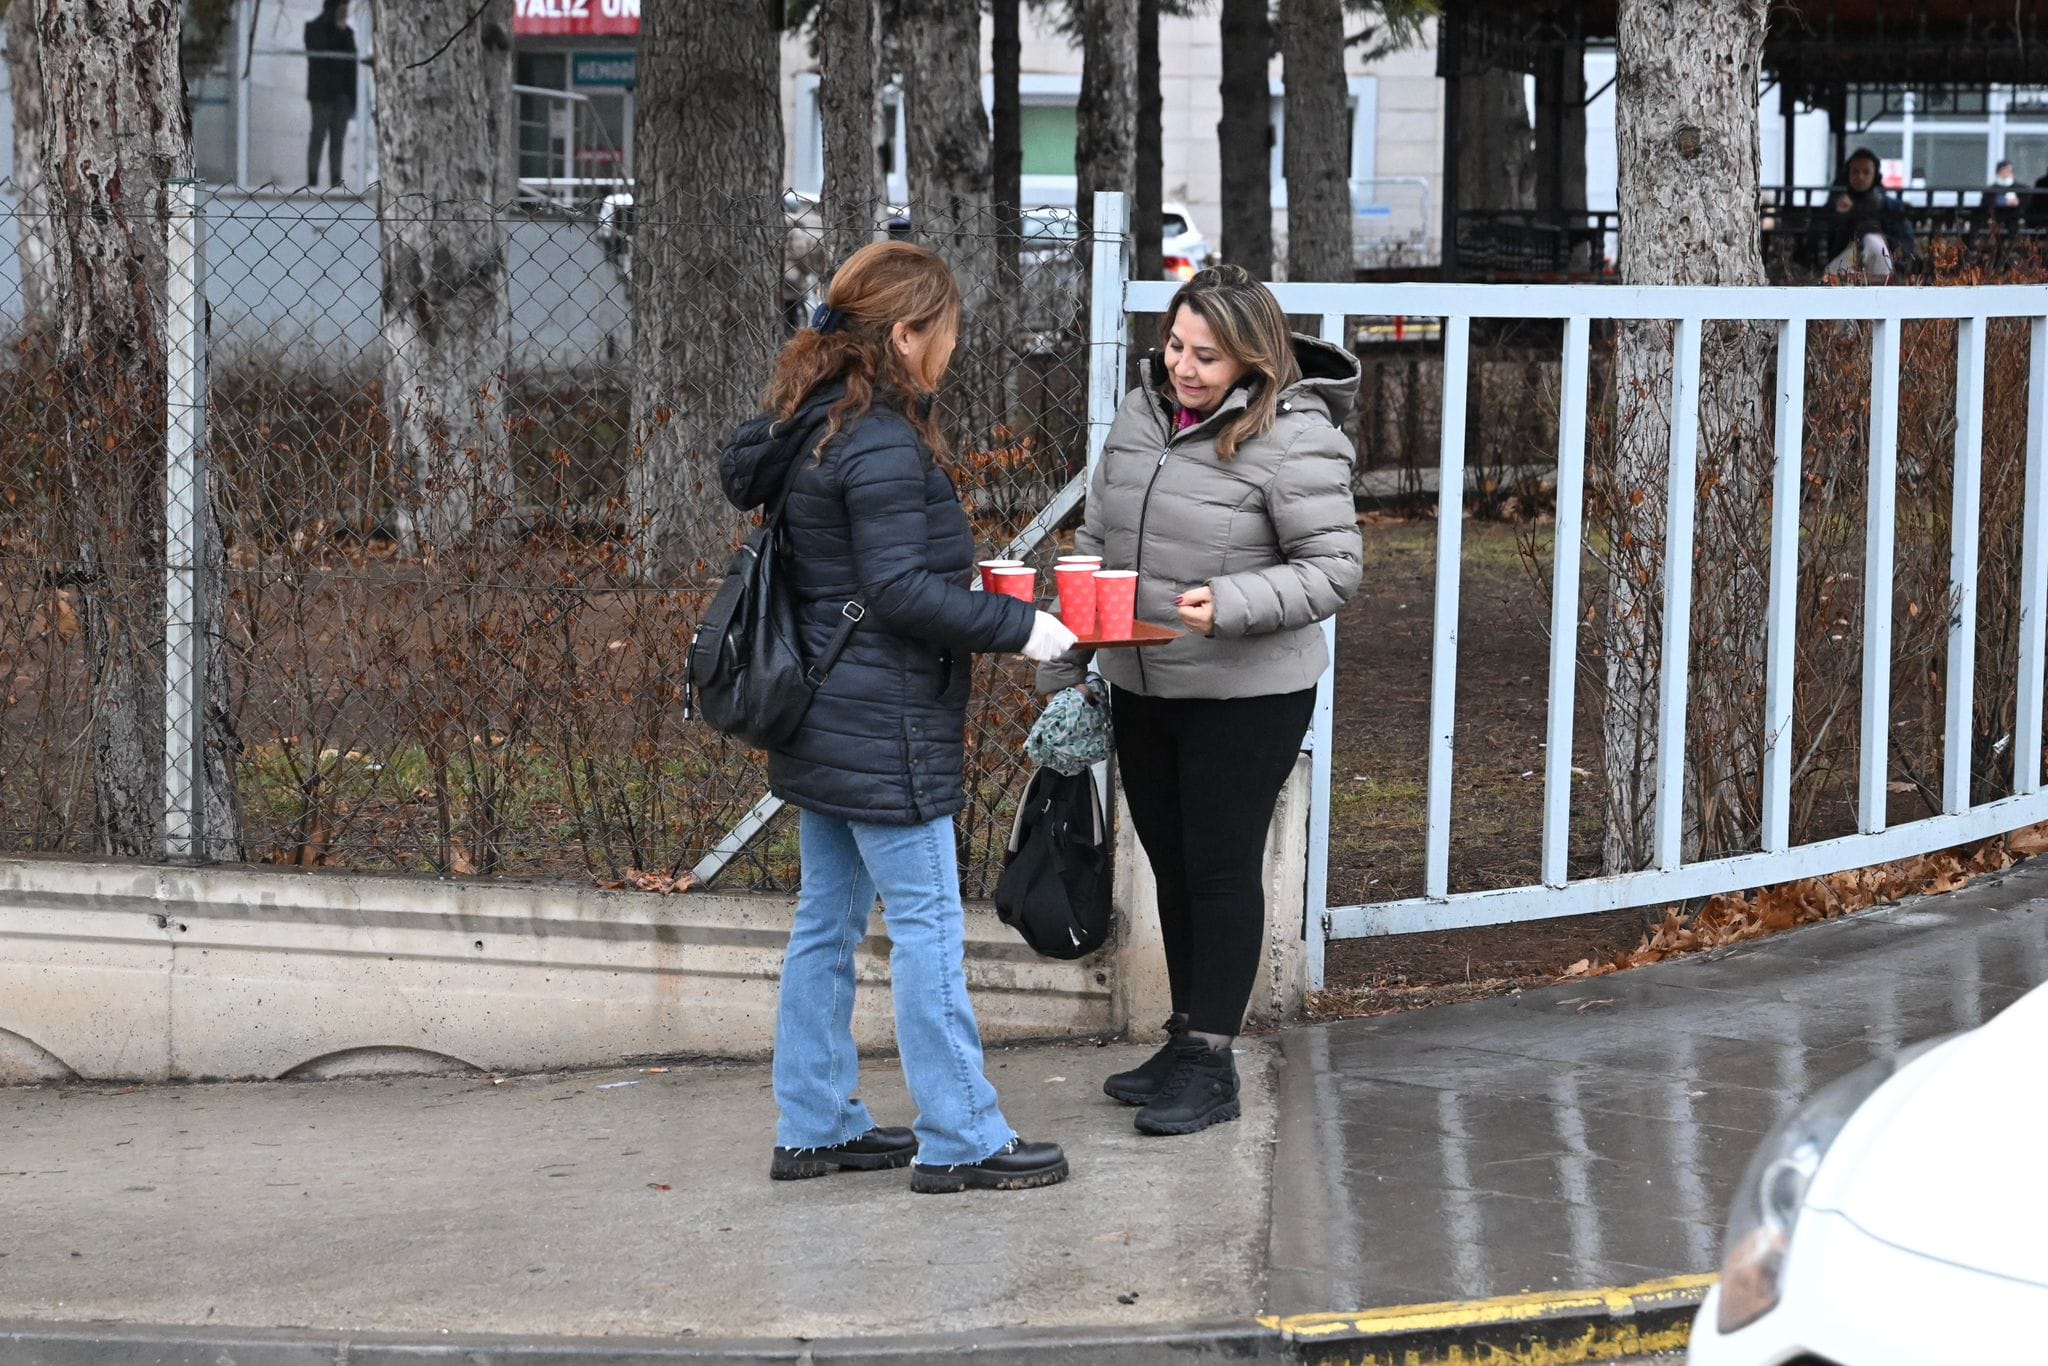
{"points": [[1050, 639]]}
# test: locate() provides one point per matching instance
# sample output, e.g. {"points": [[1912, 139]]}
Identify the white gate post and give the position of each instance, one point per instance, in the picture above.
{"points": [[1107, 326], [184, 523]]}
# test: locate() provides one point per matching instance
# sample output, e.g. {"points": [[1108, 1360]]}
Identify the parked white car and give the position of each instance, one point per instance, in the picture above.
{"points": [[1900, 1216], [1181, 243]]}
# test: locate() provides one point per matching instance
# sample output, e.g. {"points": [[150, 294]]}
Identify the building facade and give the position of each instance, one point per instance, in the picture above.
{"points": [[576, 72], [1396, 129]]}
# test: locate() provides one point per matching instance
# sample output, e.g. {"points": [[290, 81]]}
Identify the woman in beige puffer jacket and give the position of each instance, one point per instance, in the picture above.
{"points": [[1226, 484]]}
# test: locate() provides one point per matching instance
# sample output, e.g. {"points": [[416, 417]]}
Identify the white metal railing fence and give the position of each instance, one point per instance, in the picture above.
{"points": [[1671, 876]]}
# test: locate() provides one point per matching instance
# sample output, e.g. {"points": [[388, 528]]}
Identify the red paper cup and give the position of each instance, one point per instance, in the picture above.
{"points": [[1019, 581], [988, 570], [1077, 596], [1116, 603]]}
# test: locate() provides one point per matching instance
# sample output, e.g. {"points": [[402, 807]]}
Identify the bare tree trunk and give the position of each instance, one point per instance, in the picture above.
{"points": [[1147, 213], [707, 264], [1495, 142], [1317, 156], [849, 92], [1686, 136], [1006, 117], [25, 76], [444, 133], [951, 192], [1244, 137], [1106, 138], [112, 133], [949, 133]]}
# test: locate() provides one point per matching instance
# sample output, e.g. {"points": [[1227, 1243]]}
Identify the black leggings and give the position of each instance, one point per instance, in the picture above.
{"points": [[1202, 776]]}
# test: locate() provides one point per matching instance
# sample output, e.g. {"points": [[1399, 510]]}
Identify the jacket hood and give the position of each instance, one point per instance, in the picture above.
{"points": [[1329, 376], [761, 452], [1328, 372]]}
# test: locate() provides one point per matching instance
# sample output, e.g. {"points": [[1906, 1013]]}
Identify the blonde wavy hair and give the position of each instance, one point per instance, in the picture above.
{"points": [[1251, 330]]}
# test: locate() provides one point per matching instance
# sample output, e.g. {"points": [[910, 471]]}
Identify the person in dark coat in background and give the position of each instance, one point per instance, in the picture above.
{"points": [[1862, 228], [2002, 203], [330, 87], [877, 768]]}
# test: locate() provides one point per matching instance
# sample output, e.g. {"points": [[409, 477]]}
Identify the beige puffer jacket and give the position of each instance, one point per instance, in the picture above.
{"points": [[1272, 531]]}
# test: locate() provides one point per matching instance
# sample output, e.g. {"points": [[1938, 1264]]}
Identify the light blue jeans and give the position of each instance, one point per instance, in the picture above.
{"points": [[916, 870]]}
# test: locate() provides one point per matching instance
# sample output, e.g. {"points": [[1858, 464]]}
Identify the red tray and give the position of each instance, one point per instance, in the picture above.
{"points": [[1142, 633]]}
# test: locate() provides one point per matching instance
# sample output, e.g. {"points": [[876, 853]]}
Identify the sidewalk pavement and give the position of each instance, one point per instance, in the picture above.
{"points": [[1578, 1137]]}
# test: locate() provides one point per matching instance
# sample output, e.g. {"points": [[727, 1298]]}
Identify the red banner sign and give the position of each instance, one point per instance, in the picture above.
{"points": [[576, 18]]}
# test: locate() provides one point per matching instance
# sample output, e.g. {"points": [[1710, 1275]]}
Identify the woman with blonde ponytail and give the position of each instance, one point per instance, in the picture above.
{"points": [[877, 769]]}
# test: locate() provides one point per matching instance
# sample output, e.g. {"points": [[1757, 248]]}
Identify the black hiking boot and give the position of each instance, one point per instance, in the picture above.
{"points": [[1200, 1089], [1015, 1166], [1139, 1085], [876, 1150]]}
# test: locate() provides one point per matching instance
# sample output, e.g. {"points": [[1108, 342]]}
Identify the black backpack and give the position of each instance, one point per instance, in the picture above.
{"points": [[745, 667], [1055, 887]]}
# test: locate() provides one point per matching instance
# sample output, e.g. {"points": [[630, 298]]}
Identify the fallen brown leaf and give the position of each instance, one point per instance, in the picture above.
{"points": [[2029, 842]]}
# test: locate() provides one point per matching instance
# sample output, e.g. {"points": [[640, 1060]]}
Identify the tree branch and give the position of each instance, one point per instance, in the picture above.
{"points": [[467, 25]]}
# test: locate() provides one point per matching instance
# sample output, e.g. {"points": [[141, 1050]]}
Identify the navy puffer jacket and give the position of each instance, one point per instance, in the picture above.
{"points": [[877, 522]]}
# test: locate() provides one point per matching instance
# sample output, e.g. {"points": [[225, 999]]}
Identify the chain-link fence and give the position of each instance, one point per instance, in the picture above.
{"points": [[454, 527]]}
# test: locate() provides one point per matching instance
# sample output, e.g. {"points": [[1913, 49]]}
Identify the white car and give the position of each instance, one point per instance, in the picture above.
{"points": [[1182, 248], [1181, 243], [1900, 1217]]}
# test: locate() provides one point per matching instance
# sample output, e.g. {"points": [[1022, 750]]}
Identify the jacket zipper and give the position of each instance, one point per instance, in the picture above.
{"points": [[1145, 510]]}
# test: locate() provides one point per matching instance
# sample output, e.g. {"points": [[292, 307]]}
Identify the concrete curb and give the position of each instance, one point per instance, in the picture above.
{"points": [[1550, 1329], [111, 1344], [1516, 1330]]}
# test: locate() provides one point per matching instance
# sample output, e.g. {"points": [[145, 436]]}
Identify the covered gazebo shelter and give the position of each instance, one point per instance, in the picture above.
{"points": [[1856, 61]]}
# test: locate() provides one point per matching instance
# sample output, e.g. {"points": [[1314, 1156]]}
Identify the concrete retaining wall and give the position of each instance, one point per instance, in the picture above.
{"points": [[145, 973], [139, 972]]}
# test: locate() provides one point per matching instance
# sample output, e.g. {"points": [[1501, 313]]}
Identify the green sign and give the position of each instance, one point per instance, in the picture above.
{"points": [[616, 69]]}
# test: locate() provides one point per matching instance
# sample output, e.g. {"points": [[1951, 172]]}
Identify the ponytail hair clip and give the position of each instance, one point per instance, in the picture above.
{"points": [[827, 319]]}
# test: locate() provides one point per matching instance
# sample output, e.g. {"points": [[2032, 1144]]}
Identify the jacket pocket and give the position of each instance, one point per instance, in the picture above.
{"points": [[956, 669]]}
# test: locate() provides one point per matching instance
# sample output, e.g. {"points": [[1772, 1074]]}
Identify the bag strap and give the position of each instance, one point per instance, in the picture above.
{"points": [[849, 617], [796, 467]]}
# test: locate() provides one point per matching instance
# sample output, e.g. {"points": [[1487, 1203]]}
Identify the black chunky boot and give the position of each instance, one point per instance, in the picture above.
{"points": [[1199, 1090], [1015, 1166], [876, 1150], [1139, 1085]]}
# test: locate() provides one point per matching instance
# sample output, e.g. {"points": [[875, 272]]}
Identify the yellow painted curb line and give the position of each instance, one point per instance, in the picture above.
{"points": [[1550, 1328]]}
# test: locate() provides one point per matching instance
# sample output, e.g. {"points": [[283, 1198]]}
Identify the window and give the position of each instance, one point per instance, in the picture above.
{"points": [[1887, 146], [1961, 159], [2027, 149], [542, 137], [1047, 125], [1049, 133], [1950, 140]]}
